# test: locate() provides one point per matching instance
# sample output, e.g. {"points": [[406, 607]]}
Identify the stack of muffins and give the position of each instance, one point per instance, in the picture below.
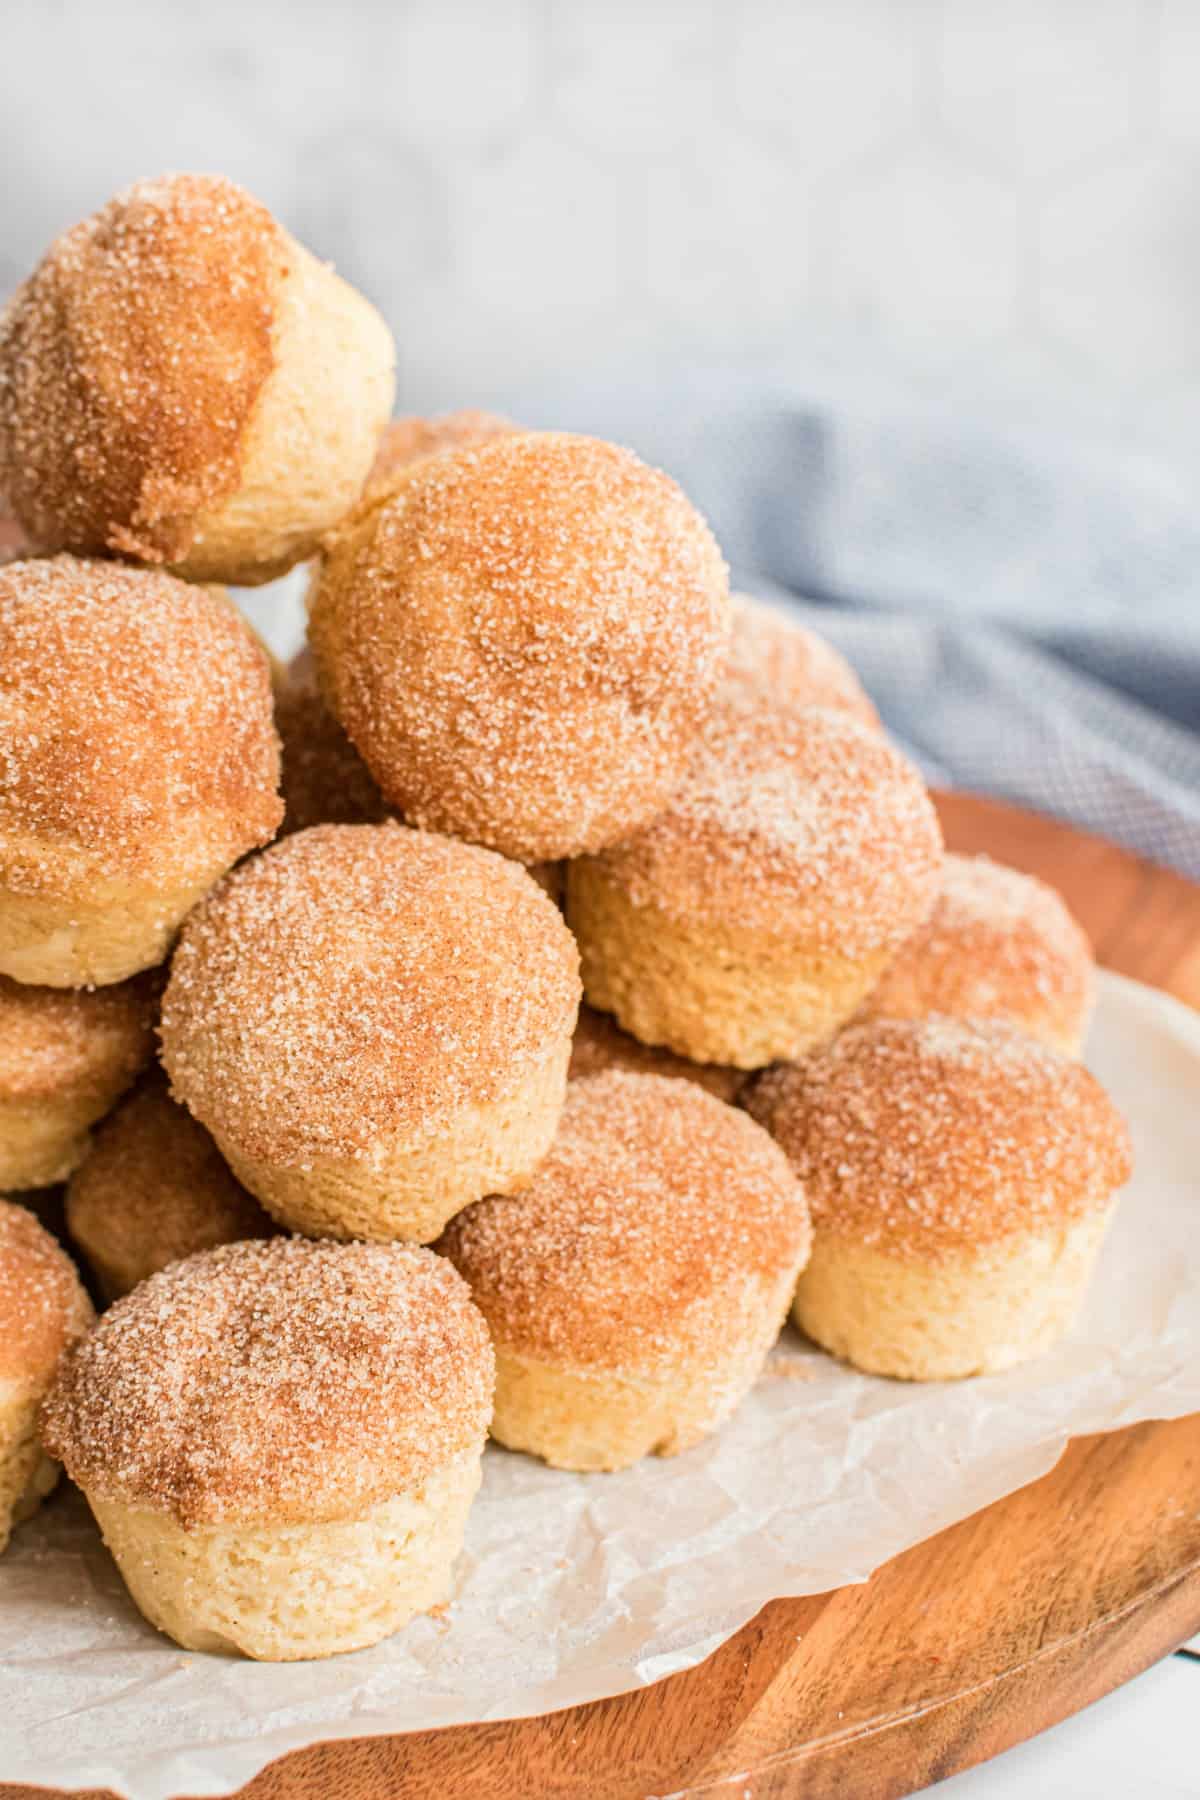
{"points": [[533, 752]]}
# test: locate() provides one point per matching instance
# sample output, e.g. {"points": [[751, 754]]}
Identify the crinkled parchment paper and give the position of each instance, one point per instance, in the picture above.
{"points": [[574, 1587]]}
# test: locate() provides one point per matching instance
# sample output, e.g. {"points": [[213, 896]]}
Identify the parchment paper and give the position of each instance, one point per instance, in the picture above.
{"points": [[576, 1587]]}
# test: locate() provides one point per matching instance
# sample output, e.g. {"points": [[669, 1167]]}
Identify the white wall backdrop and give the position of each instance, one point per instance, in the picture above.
{"points": [[994, 200]]}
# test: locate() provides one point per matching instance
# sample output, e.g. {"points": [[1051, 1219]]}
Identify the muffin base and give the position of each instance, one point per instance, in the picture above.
{"points": [[713, 993], [940, 1321], [604, 1419], [282, 1593], [51, 940], [410, 1190], [42, 1142], [27, 1474]]}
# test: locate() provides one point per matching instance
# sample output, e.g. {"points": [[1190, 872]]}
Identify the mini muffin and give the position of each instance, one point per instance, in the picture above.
{"points": [[139, 760], [43, 1309], [774, 658], [66, 1057], [324, 779], [634, 1289], [406, 441], [751, 917], [998, 945], [181, 382], [375, 1024], [961, 1177], [522, 638], [601, 1044], [152, 1189], [281, 1441]]}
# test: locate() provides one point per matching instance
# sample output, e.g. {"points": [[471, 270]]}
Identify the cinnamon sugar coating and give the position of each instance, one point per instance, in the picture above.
{"points": [[130, 363], [932, 1137], [276, 1382], [54, 1040], [600, 1044], [43, 1308], [800, 824], [778, 659], [658, 1219], [324, 779], [135, 727], [406, 440], [357, 983], [522, 638], [998, 944]]}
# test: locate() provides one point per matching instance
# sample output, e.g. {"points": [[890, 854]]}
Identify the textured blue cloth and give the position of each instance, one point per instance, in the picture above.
{"points": [[1026, 617]]}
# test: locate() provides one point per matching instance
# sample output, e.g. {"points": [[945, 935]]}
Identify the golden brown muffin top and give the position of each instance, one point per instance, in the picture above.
{"points": [[324, 779], [777, 658], [998, 945], [131, 361], [522, 638], [802, 824], [658, 1217], [60, 1040], [600, 1044], [154, 1188], [358, 982], [936, 1137], [135, 724], [405, 441], [43, 1308], [278, 1382]]}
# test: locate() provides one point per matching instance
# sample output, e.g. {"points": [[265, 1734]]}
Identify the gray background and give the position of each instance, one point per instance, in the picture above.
{"points": [[554, 203]]}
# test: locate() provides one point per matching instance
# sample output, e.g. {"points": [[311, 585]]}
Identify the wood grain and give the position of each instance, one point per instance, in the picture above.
{"points": [[966, 1644]]}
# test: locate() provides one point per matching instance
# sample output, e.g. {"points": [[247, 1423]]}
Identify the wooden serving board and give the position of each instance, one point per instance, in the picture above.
{"points": [[968, 1643]]}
